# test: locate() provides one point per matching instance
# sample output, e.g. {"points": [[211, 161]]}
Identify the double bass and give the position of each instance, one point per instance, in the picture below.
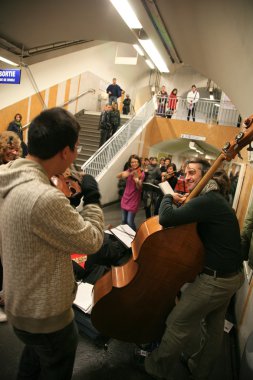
{"points": [[132, 301]]}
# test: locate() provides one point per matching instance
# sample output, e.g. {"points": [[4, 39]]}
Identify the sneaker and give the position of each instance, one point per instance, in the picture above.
{"points": [[3, 316]]}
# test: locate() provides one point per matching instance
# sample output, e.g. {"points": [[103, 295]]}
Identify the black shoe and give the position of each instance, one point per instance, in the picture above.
{"points": [[184, 358], [139, 363]]}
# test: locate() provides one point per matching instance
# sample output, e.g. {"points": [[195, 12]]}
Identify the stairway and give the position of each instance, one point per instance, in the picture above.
{"points": [[89, 135]]}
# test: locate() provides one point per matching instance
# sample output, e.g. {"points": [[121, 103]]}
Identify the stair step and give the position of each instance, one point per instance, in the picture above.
{"points": [[89, 137], [89, 128], [88, 146]]}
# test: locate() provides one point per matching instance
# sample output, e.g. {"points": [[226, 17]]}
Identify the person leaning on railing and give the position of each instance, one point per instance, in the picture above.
{"points": [[162, 99], [192, 99], [172, 103]]}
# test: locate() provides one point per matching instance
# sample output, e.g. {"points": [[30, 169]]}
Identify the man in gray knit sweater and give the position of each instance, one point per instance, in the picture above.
{"points": [[39, 230]]}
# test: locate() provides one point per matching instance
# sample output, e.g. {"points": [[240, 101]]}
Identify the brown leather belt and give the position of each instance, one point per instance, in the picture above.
{"points": [[215, 273]]}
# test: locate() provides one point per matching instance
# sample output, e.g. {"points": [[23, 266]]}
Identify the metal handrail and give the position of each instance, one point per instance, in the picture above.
{"points": [[206, 110], [103, 157], [91, 90]]}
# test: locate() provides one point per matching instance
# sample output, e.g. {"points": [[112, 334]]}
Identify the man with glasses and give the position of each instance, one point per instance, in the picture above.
{"points": [[39, 232], [202, 307]]}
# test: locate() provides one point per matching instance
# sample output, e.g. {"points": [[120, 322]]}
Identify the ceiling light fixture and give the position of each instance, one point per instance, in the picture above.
{"points": [[150, 64], [154, 54], [127, 13], [138, 49], [8, 61]]}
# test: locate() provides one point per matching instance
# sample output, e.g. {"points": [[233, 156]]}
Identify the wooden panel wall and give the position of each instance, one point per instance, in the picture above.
{"points": [[7, 114], [52, 96], [36, 105], [67, 91], [166, 129], [31, 106]]}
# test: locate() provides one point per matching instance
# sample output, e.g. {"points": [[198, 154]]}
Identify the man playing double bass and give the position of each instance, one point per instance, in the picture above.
{"points": [[203, 304]]}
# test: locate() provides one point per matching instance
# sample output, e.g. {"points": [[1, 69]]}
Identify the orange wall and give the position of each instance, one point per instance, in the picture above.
{"points": [[7, 114], [31, 106], [160, 129]]}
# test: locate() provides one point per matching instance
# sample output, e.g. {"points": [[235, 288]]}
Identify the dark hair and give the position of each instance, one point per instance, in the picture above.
{"points": [[174, 89], [221, 177], [172, 165], [51, 131], [135, 157], [205, 165]]}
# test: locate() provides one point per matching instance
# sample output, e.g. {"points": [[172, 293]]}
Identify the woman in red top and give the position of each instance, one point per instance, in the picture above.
{"points": [[172, 103]]}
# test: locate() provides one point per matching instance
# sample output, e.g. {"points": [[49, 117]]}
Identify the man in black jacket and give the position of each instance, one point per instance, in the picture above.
{"points": [[203, 304]]}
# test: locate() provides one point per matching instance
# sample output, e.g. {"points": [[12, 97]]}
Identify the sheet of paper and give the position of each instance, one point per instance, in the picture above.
{"points": [[228, 326], [84, 297], [124, 233], [166, 188]]}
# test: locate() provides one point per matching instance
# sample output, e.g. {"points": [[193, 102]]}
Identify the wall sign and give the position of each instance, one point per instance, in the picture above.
{"points": [[10, 76], [192, 137]]}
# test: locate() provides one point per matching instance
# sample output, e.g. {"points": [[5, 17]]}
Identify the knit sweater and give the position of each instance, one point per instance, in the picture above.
{"points": [[38, 232]]}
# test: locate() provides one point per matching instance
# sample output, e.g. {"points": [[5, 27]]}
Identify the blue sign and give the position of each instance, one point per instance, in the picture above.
{"points": [[10, 76]]}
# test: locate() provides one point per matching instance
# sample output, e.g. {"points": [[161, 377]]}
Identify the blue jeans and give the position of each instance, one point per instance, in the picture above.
{"points": [[112, 99], [128, 218], [48, 356]]}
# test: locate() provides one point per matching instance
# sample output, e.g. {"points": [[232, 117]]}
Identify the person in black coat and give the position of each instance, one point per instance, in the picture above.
{"points": [[202, 307], [16, 126], [126, 105]]}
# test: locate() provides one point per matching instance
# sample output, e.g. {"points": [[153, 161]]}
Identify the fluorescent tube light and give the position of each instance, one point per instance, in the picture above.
{"points": [[154, 54], [138, 49], [149, 63], [127, 13], [8, 61]]}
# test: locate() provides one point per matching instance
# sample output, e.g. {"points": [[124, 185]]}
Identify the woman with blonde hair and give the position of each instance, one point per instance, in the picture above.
{"points": [[10, 147]]}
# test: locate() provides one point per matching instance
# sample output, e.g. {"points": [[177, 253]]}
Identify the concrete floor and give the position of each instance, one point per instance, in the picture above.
{"points": [[93, 362]]}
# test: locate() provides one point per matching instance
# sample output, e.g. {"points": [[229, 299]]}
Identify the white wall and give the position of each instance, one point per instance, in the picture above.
{"points": [[182, 79], [110, 193], [98, 60]]}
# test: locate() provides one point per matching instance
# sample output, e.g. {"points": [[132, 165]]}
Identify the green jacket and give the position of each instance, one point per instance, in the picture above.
{"points": [[247, 237], [115, 118]]}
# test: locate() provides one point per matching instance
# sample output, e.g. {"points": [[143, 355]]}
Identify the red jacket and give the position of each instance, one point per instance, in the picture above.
{"points": [[172, 104]]}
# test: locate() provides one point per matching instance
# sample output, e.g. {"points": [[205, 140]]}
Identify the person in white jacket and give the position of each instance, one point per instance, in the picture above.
{"points": [[38, 232], [192, 99]]}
